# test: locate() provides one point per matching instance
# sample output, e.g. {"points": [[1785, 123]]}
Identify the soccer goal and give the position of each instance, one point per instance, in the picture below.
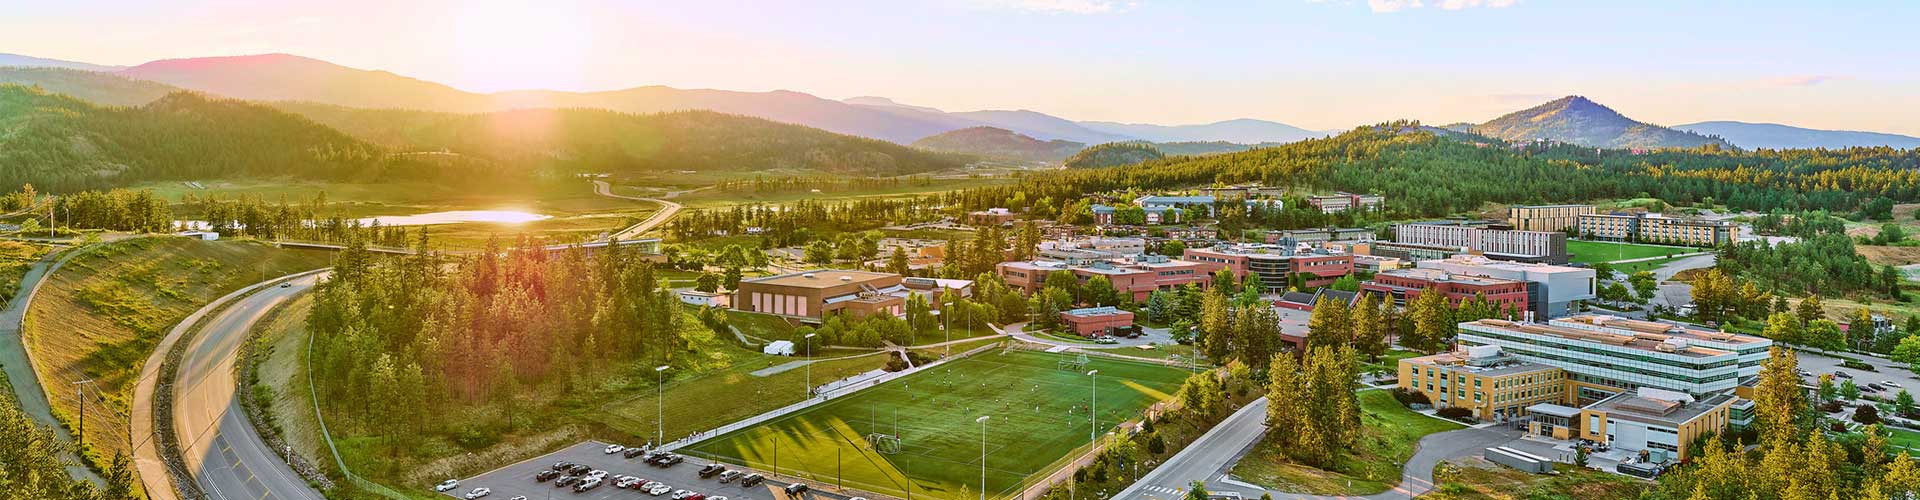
{"points": [[1075, 363], [885, 444]]}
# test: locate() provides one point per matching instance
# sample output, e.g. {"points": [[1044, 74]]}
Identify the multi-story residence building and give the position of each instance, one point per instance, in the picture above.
{"points": [[1276, 264], [1344, 201], [1404, 285], [1546, 217], [1320, 235], [1552, 291], [1657, 228], [1521, 246], [1136, 277]]}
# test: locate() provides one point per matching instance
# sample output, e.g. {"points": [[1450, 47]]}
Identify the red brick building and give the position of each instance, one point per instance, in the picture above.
{"points": [[1276, 265], [1135, 279], [1404, 285], [1095, 321]]}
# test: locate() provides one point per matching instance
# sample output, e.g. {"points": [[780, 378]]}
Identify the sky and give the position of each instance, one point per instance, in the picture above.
{"points": [[1318, 64]]}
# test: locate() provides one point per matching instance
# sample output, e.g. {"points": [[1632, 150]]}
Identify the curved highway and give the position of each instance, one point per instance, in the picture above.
{"points": [[223, 452], [667, 210]]}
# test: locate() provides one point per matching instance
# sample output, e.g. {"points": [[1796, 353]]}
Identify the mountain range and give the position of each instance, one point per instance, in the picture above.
{"points": [[283, 77]]}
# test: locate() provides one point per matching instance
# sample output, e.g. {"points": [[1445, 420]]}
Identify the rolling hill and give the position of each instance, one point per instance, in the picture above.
{"points": [[91, 86], [1776, 136], [20, 61], [1576, 120], [1041, 125], [999, 143], [1114, 154], [1241, 131]]}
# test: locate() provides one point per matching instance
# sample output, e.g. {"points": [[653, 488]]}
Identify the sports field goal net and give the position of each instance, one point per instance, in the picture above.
{"points": [[1073, 363], [885, 444]]}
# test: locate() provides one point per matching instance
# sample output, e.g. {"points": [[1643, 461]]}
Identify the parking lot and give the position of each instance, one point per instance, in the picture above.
{"points": [[517, 479]]}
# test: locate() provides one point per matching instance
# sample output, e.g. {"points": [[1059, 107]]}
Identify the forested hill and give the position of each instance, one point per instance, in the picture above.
{"points": [[1426, 175], [1114, 154], [91, 86], [999, 142], [599, 140], [62, 143], [1577, 120]]}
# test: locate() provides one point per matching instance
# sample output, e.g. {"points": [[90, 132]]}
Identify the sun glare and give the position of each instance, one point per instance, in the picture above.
{"points": [[509, 45]]}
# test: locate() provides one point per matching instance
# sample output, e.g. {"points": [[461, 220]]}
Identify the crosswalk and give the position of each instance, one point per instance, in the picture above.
{"points": [[1176, 492]]}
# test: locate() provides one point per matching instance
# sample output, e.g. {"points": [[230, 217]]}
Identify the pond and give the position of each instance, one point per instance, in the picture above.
{"points": [[426, 219]]}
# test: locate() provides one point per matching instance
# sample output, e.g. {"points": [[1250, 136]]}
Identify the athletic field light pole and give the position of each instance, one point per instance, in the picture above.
{"points": [[659, 405], [809, 340], [983, 455], [1093, 413]]}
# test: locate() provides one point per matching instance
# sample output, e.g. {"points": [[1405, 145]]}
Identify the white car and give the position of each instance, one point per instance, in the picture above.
{"points": [[597, 474], [446, 486], [659, 489], [478, 492], [614, 448], [1889, 383], [682, 495], [716, 498], [521, 497]]}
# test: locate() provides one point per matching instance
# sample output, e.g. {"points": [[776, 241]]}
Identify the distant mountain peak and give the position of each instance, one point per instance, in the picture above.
{"points": [[1575, 119]]}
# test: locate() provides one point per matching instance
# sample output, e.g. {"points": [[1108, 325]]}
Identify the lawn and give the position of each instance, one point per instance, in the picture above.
{"points": [[1587, 252], [99, 316], [15, 259], [1038, 416], [1645, 265], [1387, 438], [1158, 351], [1389, 362], [1475, 478], [1903, 438]]}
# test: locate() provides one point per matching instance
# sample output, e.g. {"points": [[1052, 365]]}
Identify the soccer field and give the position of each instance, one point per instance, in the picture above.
{"points": [[1039, 413]]}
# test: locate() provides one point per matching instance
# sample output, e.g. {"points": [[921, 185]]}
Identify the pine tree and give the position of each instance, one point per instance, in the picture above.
{"points": [[1331, 324], [1779, 403]]}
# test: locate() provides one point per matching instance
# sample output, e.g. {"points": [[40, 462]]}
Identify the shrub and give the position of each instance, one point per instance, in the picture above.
{"points": [[1866, 414], [1456, 413]]}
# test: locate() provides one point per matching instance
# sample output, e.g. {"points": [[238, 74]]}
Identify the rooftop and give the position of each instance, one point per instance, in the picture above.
{"points": [[1668, 330], [1094, 311], [1462, 359], [1481, 261], [1651, 407], [1436, 275], [821, 278], [1650, 342]]}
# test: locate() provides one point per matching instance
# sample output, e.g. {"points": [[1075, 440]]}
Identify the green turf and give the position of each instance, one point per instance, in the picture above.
{"points": [[1038, 410], [1605, 251]]}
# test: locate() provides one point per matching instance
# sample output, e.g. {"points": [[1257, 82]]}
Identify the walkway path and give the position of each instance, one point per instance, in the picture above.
{"points": [[1208, 458], [14, 358]]}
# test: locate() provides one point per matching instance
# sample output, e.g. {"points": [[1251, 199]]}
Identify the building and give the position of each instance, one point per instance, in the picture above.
{"points": [[1558, 218], [991, 217], [1413, 252], [1202, 203], [1096, 321], [1657, 228], [816, 294], [706, 299], [1521, 246], [1660, 423], [1494, 385], [1636, 385], [1375, 263], [1605, 355], [1325, 234], [1554, 288], [1154, 215], [1405, 285], [1135, 277], [1343, 201], [1277, 265]]}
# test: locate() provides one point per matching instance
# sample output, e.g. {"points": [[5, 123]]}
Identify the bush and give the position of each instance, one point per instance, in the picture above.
{"points": [[1858, 365], [1831, 406], [1410, 397], [1866, 414], [1456, 413]]}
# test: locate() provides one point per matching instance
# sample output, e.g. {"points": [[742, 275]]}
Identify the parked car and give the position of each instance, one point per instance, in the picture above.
{"points": [[626, 482], [752, 479], [1841, 374], [712, 470], [698, 496], [1871, 387], [478, 492], [634, 452], [565, 480], [667, 460], [562, 465], [546, 475], [654, 455], [729, 476], [446, 486], [586, 485], [659, 489], [1889, 383], [518, 497], [682, 495], [579, 469], [796, 489], [614, 448]]}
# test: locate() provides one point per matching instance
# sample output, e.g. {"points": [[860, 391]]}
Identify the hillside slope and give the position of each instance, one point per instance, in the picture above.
{"points": [[1114, 154], [1776, 136], [999, 143], [20, 61], [91, 86], [1242, 131], [1577, 120]]}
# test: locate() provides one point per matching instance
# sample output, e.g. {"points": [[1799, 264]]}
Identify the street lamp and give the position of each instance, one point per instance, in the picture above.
{"points": [[809, 339], [660, 405], [983, 455], [1093, 433]]}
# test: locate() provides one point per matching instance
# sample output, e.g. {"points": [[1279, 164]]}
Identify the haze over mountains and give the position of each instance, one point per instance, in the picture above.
{"points": [[282, 77]]}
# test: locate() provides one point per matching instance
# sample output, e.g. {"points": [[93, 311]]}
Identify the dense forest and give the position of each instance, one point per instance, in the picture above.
{"points": [[606, 141], [1114, 154], [1427, 175]]}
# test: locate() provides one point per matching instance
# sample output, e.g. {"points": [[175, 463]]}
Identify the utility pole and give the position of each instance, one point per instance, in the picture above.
{"points": [[983, 455], [1093, 415], [81, 395], [660, 405]]}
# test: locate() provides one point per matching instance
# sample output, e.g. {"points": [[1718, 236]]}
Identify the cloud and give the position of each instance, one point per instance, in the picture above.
{"points": [[1802, 80], [1391, 6], [1057, 6]]}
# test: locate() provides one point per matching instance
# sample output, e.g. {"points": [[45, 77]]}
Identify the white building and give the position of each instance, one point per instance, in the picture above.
{"points": [[1553, 290]]}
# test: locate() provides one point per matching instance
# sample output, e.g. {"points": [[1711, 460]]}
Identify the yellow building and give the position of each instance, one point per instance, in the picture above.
{"points": [[1495, 386], [1656, 228], [1655, 421], [1546, 217]]}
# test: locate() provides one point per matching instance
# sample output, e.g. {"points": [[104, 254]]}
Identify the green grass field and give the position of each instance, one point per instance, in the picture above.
{"points": [[1587, 252], [1039, 416], [1387, 438]]}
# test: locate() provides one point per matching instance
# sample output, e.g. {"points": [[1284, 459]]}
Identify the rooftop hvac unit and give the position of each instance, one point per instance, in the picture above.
{"points": [[846, 278]]}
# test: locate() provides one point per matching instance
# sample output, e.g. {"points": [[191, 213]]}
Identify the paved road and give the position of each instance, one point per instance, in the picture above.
{"points": [[13, 356], [666, 213], [1209, 457], [226, 455]]}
